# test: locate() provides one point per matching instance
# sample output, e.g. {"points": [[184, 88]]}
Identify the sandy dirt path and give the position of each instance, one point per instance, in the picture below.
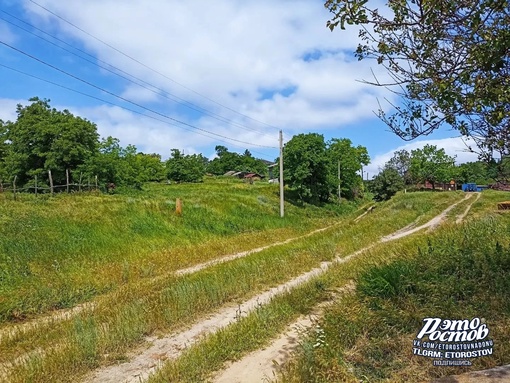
{"points": [[66, 314], [461, 217], [143, 362], [258, 366]]}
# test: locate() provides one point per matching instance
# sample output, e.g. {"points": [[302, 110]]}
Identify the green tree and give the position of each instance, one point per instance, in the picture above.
{"points": [[401, 162], [4, 146], [307, 167], [185, 168], [45, 139], [449, 60], [386, 184], [351, 160], [432, 164], [473, 172], [151, 167], [226, 161]]}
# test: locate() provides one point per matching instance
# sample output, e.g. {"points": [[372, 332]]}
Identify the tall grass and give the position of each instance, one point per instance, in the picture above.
{"points": [[460, 272], [57, 252], [123, 318]]}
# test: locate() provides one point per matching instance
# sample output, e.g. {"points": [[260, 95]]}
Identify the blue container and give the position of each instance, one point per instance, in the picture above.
{"points": [[469, 187]]}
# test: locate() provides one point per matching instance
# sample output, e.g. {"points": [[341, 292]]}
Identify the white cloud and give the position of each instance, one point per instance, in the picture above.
{"points": [[454, 146], [8, 109], [227, 50]]}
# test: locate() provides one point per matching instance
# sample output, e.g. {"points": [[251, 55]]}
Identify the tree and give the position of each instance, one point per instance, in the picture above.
{"points": [[122, 166], [401, 162], [386, 184], [185, 168], [351, 159], [449, 61], [432, 164], [4, 146], [307, 167], [473, 172], [226, 161], [45, 139]]}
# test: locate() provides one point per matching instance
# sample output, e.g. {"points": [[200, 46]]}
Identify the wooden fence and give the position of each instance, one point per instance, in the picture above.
{"points": [[38, 188]]}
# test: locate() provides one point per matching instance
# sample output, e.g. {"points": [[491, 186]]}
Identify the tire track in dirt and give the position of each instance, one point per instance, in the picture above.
{"points": [[146, 361], [259, 367], [67, 314], [461, 217]]}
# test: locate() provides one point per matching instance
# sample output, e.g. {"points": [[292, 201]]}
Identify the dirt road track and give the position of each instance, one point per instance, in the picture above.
{"points": [[144, 362]]}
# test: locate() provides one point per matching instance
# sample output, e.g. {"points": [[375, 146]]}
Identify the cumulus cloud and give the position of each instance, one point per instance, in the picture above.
{"points": [[8, 109], [274, 61]]}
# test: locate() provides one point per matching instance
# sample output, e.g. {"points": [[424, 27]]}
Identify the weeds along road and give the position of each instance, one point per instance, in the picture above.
{"points": [[68, 314], [105, 335], [142, 365]]}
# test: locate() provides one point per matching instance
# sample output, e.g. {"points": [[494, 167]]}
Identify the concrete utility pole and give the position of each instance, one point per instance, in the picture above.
{"points": [[339, 181], [281, 175]]}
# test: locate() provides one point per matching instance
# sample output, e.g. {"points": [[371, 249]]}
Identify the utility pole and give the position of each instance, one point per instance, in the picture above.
{"points": [[339, 180], [281, 175]]}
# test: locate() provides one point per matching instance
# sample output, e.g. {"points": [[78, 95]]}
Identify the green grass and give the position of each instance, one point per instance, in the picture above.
{"points": [[459, 272], [57, 252], [157, 305]]}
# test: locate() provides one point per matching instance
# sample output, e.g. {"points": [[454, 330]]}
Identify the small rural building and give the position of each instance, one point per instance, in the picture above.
{"points": [[439, 185]]}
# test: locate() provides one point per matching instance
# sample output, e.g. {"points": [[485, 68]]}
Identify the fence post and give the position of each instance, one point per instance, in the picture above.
{"points": [[14, 186], [36, 186], [96, 184], [51, 182], [178, 207], [67, 181], [88, 184], [79, 183]]}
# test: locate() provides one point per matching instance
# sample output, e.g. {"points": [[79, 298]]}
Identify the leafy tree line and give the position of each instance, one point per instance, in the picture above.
{"points": [[311, 167], [43, 138], [432, 165]]}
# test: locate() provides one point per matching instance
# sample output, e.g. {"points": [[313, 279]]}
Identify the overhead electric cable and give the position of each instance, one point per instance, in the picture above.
{"points": [[152, 88], [125, 99], [125, 108], [146, 66]]}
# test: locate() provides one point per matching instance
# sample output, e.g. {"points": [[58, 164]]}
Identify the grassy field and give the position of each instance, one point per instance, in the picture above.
{"points": [[459, 272], [57, 252], [136, 304]]}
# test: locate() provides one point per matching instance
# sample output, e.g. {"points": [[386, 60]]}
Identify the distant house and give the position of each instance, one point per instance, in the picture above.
{"points": [[439, 185], [230, 173]]}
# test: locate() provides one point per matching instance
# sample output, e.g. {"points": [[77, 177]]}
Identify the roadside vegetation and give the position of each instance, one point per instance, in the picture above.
{"points": [[162, 302], [459, 272], [57, 252]]}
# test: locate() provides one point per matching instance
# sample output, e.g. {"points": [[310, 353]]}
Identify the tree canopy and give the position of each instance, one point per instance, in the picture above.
{"points": [[226, 161], [311, 167], [432, 164], [185, 168], [386, 184], [449, 61], [45, 139]]}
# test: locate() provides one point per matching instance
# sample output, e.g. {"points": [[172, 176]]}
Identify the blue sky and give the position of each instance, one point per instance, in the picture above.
{"points": [[239, 69]]}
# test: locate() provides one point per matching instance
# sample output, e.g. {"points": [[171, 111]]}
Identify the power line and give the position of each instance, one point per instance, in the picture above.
{"points": [[123, 107], [125, 99], [152, 88], [146, 66]]}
